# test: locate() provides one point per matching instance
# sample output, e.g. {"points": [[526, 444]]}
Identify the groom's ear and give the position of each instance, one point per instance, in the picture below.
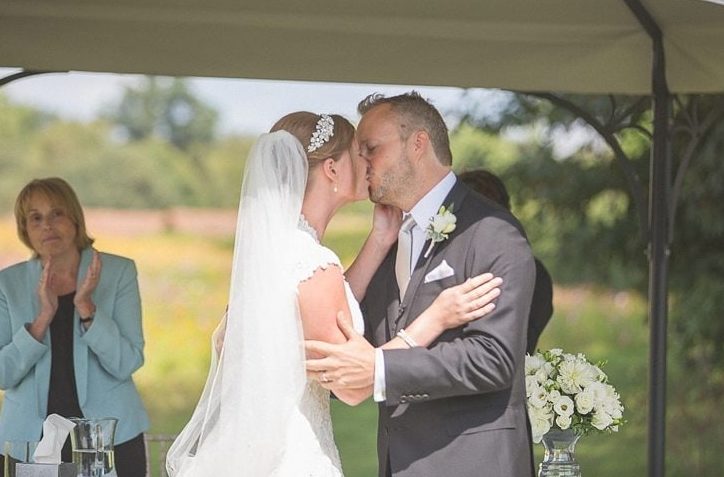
{"points": [[420, 142]]}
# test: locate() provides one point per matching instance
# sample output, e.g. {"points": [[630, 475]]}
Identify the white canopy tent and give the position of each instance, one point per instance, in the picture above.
{"points": [[584, 46], [650, 47]]}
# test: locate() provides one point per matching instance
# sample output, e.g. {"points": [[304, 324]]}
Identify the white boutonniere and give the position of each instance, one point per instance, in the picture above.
{"points": [[440, 226]]}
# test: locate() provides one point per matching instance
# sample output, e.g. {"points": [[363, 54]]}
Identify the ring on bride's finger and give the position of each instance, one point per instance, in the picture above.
{"points": [[325, 379]]}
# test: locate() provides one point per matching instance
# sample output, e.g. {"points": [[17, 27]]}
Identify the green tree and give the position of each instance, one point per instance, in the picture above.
{"points": [[19, 126], [165, 107]]}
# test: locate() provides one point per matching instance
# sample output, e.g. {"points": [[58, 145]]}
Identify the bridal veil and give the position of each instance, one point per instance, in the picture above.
{"points": [[258, 377]]}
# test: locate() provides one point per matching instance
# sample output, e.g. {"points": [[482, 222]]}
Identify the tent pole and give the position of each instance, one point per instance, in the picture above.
{"points": [[659, 200], [658, 247]]}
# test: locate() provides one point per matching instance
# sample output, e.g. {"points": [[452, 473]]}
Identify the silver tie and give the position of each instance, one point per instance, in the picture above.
{"points": [[403, 260]]}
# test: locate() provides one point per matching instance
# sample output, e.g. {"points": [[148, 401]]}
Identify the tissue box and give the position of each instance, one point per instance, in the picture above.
{"points": [[66, 469]]}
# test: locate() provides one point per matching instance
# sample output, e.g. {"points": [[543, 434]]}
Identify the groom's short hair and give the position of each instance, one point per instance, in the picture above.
{"points": [[416, 113]]}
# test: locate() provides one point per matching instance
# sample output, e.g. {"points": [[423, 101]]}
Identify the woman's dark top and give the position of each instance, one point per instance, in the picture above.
{"points": [[62, 394]]}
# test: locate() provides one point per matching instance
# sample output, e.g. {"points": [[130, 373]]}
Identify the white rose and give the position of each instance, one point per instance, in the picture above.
{"points": [[613, 407], [616, 411], [531, 384], [553, 396], [584, 402], [444, 223], [539, 397], [604, 396], [564, 406], [541, 375], [598, 391], [540, 423], [533, 363], [601, 420], [564, 422]]}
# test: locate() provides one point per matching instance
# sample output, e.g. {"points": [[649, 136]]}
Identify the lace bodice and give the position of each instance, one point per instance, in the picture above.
{"points": [[314, 453], [313, 256]]}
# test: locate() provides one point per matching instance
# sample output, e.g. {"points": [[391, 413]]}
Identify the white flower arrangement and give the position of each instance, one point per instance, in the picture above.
{"points": [[566, 391], [440, 226]]}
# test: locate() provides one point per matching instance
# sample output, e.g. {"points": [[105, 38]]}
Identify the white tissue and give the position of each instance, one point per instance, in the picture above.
{"points": [[55, 432]]}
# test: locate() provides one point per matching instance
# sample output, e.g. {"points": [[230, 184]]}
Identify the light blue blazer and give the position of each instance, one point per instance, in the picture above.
{"points": [[105, 356]]}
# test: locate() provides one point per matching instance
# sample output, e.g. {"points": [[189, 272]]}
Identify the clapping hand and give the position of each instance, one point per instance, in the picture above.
{"points": [[83, 300], [47, 297]]}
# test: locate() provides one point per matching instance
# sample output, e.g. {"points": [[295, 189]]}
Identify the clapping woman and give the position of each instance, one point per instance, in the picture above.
{"points": [[70, 328]]}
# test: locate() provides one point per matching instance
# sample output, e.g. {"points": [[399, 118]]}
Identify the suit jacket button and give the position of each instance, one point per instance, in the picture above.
{"points": [[425, 396]]}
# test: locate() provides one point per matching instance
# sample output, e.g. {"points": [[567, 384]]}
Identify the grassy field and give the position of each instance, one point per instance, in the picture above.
{"points": [[184, 282]]}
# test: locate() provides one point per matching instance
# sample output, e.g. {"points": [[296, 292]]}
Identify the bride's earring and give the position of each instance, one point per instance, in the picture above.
{"points": [[335, 188]]}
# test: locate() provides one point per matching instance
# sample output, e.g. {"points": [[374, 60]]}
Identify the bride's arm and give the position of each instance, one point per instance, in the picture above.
{"points": [[321, 297], [454, 307], [385, 225]]}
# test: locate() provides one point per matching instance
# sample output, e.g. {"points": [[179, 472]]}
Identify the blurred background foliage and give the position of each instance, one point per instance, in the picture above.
{"points": [[158, 148]]}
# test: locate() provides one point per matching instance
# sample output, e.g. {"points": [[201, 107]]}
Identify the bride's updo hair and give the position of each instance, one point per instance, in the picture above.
{"points": [[302, 125]]}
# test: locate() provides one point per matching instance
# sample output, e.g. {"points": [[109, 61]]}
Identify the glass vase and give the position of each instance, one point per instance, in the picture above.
{"points": [[559, 459]]}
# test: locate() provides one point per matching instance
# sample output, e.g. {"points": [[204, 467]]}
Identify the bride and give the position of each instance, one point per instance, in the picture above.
{"points": [[258, 416]]}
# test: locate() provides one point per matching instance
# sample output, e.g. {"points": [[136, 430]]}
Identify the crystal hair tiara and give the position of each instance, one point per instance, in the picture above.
{"points": [[322, 133]]}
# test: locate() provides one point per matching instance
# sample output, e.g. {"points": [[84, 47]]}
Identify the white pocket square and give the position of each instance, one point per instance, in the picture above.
{"points": [[438, 273]]}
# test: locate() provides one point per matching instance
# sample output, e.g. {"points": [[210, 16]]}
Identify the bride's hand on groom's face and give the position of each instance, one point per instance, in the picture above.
{"points": [[349, 365], [386, 221]]}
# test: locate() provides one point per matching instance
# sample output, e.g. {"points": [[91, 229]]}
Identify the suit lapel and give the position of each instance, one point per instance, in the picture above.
{"points": [[80, 348]]}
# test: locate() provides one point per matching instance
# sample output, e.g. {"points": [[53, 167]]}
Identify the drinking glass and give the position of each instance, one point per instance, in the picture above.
{"points": [[92, 441]]}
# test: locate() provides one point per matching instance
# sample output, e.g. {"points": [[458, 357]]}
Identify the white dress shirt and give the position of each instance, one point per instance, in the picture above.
{"points": [[425, 209]]}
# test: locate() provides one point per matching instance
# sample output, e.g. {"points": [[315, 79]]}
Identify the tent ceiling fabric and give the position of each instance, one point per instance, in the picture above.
{"points": [[585, 46]]}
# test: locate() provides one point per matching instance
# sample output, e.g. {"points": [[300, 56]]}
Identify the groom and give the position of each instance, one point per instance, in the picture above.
{"points": [[455, 408]]}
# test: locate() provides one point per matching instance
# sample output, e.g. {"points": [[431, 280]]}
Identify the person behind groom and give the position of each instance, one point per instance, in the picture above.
{"points": [[491, 186], [457, 406]]}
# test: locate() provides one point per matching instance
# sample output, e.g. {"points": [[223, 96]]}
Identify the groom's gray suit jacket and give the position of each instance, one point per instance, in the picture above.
{"points": [[457, 408]]}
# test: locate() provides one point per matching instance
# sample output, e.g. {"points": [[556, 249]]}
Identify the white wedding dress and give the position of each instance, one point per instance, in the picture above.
{"points": [[315, 453], [258, 416]]}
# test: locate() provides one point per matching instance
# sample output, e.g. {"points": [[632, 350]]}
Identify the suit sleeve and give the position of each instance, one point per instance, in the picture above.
{"points": [[116, 336], [484, 356]]}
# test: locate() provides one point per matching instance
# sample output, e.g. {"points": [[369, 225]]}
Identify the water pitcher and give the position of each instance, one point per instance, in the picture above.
{"points": [[92, 441]]}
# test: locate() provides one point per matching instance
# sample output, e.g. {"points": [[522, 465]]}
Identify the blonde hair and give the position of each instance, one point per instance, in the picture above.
{"points": [[302, 124], [60, 194]]}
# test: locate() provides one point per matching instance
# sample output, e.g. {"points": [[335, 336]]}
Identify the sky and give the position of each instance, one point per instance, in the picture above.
{"points": [[245, 106]]}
